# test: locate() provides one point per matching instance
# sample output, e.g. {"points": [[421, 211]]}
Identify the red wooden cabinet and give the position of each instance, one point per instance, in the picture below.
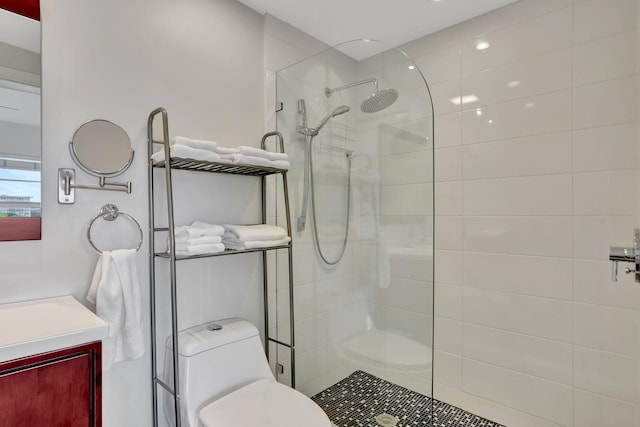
{"points": [[57, 389]]}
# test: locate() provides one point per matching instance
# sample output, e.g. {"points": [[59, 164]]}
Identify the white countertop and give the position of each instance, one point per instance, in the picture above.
{"points": [[38, 326]]}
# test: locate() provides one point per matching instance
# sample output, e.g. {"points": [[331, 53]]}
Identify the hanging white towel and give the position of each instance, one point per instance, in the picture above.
{"points": [[115, 291], [246, 233]]}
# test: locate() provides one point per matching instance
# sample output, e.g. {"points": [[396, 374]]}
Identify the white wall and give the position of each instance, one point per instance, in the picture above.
{"points": [[534, 182], [118, 60]]}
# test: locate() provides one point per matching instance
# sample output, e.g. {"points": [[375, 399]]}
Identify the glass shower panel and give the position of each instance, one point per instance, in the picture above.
{"points": [[363, 256]]}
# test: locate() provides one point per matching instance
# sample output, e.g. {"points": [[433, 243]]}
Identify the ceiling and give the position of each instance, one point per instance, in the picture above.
{"points": [[393, 22]]}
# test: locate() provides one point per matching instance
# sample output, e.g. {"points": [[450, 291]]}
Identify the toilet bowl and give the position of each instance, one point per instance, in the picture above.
{"points": [[225, 380]]}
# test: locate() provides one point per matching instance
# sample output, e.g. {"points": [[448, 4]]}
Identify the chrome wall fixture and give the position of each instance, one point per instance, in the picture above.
{"points": [[628, 254]]}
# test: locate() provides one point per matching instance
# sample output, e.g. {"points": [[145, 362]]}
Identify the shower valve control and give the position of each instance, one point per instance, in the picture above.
{"points": [[631, 254]]}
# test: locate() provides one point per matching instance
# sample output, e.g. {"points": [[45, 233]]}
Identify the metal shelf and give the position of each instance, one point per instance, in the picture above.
{"points": [[217, 167], [182, 164]]}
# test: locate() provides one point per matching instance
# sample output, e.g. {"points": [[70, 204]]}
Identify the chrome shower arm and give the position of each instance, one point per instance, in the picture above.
{"points": [[328, 91]]}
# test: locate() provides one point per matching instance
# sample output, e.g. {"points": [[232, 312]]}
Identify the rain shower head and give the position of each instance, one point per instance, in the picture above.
{"points": [[377, 101]]}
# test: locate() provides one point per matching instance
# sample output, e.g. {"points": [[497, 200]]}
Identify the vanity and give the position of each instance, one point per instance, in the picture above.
{"points": [[50, 364]]}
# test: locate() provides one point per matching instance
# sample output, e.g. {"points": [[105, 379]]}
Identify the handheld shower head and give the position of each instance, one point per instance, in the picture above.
{"points": [[336, 112]]}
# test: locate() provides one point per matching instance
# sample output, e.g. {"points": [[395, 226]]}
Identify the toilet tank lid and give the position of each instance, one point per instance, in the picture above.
{"points": [[206, 336]]}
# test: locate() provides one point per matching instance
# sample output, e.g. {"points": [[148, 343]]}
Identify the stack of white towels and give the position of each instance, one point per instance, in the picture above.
{"points": [[241, 237], [209, 151], [199, 238]]}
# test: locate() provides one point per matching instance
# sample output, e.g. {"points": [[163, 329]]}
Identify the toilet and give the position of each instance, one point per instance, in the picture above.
{"points": [[225, 380]]}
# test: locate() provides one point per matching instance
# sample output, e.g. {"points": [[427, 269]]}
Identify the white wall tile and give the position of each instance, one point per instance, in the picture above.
{"points": [[448, 268], [448, 198], [606, 103], [529, 77], [540, 35], [605, 373], [445, 96], [503, 414], [445, 393], [594, 324], [548, 400], [593, 285], [448, 336], [542, 114], [592, 193], [542, 358], [448, 166], [596, 18], [448, 130], [410, 168], [440, 65], [532, 195], [604, 148], [604, 59], [526, 275], [449, 371], [448, 234], [548, 236], [595, 410], [448, 301], [540, 317], [534, 155], [408, 199], [593, 235]]}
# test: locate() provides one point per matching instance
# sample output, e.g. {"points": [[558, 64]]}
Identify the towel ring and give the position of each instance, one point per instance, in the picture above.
{"points": [[110, 212]]}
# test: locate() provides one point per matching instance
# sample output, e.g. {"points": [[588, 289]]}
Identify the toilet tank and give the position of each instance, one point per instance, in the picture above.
{"points": [[214, 363]]}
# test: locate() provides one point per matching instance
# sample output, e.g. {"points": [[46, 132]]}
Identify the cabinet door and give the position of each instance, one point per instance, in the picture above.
{"points": [[56, 389]]}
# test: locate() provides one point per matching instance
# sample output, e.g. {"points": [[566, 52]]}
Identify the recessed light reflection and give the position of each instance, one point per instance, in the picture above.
{"points": [[514, 83], [464, 99], [529, 105], [479, 112], [490, 122], [482, 45], [411, 67]]}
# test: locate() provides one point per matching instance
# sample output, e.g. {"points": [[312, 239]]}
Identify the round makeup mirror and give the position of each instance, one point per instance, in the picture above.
{"points": [[101, 148]]}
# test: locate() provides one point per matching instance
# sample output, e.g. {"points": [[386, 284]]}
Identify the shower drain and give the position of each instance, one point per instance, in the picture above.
{"points": [[386, 420]]}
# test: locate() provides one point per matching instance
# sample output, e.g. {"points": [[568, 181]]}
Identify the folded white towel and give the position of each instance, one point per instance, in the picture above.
{"points": [[226, 150], [255, 244], [211, 248], [244, 159], [199, 228], [246, 233], [184, 152], [198, 240], [258, 152], [195, 143], [115, 291]]}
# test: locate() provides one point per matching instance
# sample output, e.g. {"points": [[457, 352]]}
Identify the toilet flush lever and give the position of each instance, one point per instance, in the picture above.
{"points": [[632, 255]]}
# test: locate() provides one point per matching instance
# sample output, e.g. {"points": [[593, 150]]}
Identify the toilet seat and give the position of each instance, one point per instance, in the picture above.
{"points": [[264, 403]]}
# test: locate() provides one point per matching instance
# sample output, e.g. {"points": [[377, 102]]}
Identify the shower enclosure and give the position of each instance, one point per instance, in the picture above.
{"points": [[359, 133]]}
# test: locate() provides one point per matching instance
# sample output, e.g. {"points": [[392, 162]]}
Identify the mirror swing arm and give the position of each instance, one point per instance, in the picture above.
{"points": [[67, 185], [102, 149]]}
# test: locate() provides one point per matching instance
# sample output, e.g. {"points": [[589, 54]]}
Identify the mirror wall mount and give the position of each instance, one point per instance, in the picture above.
{"points": [[67, 186], [100, 148]]}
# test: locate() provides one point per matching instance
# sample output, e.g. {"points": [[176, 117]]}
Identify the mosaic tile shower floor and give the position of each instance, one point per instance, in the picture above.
{"points": [[358, 399]]}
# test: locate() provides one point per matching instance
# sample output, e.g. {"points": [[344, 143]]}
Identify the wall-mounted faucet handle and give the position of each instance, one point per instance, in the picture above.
{"points": [[631, 255]]}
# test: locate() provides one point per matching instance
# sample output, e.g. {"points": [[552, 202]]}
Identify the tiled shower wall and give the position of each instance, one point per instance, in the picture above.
{"points": [[536, 176]]}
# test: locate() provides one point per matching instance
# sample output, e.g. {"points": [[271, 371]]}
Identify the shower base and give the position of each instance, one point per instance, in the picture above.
{"points": [[358, 399]]}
